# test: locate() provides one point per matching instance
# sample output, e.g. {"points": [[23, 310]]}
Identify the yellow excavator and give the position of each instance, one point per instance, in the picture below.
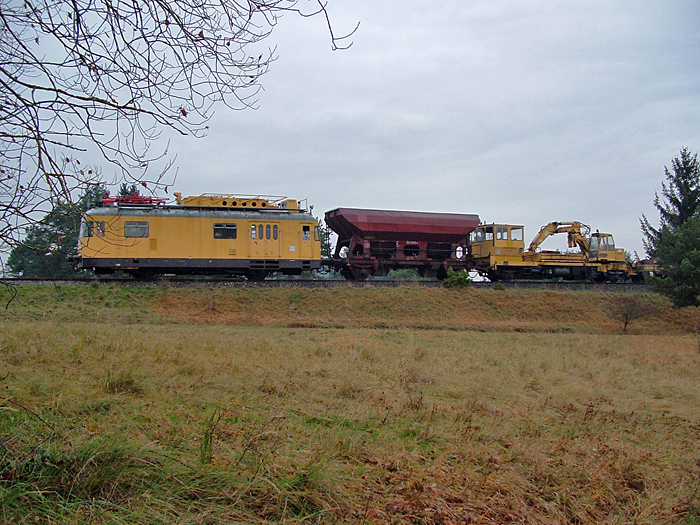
{"points": [[577, 235], [502, 256]]}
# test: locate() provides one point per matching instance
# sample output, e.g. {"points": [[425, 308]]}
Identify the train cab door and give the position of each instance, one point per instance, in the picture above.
{"points": [[264, 240], [272, 240], [306, 241], [257, 240]]}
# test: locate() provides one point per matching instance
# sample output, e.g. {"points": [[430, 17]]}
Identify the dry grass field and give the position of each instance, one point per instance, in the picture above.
{"points": [[358, 405]]}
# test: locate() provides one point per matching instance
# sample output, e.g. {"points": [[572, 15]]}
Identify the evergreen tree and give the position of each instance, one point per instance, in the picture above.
{"points": [[675, 244], [678, 256], [44, 250], [125, 190], [681, 194]]}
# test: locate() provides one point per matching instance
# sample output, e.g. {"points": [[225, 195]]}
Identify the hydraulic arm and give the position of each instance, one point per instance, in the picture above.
{"points": [[577, 235]]}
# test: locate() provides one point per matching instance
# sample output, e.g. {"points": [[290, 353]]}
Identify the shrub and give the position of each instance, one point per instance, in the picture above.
{"points": [[459, 279], [628, 309]]}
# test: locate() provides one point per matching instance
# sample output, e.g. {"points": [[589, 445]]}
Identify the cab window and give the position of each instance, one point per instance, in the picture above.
{"points": [[268, 232], [516, 234], [225, 231], [275, 232], [260, 231], [603, 244], [479, 236], [489, 233], [253, 234], [306, 230], [135, 229], [502, 233], [87, 229], [317, 233]]}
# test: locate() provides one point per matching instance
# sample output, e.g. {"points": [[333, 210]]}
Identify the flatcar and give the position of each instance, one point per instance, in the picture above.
{"points": [[209, 234]]}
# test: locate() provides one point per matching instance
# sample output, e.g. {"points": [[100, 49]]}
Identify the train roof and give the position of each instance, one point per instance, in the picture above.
{"points": [[401, 225], [199, 212], [207, 200]]}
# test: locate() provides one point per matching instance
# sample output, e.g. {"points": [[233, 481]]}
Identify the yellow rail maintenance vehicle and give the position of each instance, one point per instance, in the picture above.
{"points": [[209, 234], [498, 252]]}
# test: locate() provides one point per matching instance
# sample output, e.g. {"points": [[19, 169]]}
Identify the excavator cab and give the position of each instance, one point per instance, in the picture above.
{"points": [[602, 248]]}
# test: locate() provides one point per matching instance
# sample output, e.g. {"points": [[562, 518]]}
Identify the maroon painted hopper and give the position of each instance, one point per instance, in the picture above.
{"points": [[373, 242], [401, 225]]}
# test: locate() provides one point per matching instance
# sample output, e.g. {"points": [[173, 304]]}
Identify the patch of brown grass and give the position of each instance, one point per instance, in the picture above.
{"points": [[383, 425], [425, 406], [425, 308]]}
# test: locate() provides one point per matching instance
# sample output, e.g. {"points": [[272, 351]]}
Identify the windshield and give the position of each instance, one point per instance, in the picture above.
{"points": [[594, 244]]}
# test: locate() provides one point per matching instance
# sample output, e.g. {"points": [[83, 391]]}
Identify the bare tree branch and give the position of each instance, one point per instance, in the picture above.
{"points": [[102, 79]]}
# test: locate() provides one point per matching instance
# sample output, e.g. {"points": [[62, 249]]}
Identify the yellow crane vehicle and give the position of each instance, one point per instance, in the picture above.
{"points": [[498, 252], [207, 234]]}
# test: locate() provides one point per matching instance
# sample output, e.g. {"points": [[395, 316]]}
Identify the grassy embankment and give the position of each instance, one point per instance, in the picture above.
{"points": [[408, 405]]}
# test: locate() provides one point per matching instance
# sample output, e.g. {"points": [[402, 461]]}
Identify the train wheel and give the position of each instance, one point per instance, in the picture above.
{"points": [[142, 275], [256, 275], [347, 274], [361, 273]]}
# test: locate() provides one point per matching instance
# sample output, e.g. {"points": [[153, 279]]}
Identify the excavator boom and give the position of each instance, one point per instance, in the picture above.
{"points": [[577, 235]]}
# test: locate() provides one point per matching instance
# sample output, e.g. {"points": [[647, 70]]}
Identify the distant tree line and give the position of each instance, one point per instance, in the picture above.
{"points": [[97, 81]]}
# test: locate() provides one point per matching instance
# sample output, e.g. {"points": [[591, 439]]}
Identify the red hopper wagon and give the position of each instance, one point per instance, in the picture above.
{"points": [[373, 242]]}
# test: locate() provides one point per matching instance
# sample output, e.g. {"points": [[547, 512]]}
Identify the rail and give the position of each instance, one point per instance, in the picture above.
{"points": [[326, 283]]}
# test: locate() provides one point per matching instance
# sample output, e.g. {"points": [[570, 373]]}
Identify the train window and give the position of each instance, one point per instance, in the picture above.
{"points": [[479, 235], [603, 244], [306, 233], [611, 244], [100, 230], [252, 232], [317, 233], [516, 234], [489, 233], [268, 232], [135, 229], [86, 229], [502, 233], [275, 232], [225, 231], [260, 231]]}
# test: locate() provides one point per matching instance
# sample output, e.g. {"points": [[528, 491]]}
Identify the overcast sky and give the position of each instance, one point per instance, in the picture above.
{"points": [[521, 112]]}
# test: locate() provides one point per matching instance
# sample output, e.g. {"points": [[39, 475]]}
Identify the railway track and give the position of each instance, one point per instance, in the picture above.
{"points": [[323, 283]]}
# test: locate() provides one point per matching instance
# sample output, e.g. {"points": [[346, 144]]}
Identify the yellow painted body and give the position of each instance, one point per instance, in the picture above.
{"points": [[189, 237], [495, 244], [181, 237], [499, 249]]}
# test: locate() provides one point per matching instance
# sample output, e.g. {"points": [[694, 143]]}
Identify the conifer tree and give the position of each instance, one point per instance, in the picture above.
{"points": [[675, 244], [681, 198], [44, 250]]}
